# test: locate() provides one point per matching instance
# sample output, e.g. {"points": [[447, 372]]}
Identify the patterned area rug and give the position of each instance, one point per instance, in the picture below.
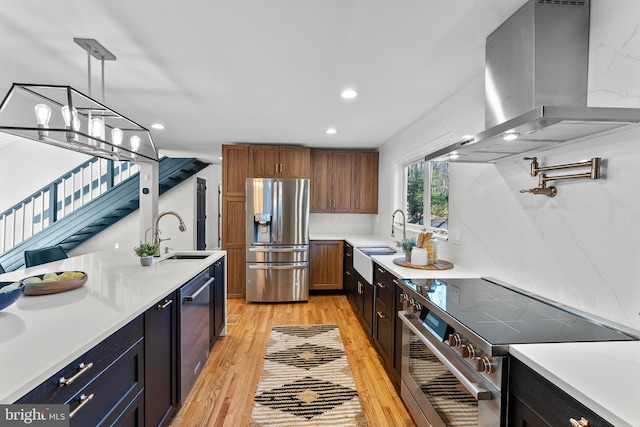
{"points": [[306, 380]]}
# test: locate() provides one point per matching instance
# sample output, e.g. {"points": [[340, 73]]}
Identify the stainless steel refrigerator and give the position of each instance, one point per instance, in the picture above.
{"points": [[277, 240]]}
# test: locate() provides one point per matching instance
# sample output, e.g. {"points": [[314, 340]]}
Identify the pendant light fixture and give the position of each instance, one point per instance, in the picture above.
{"points": [[70, 119]]}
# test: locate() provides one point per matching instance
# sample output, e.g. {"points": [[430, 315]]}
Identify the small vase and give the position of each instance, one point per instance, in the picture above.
{"points": [[407, 256], [146, 261]]}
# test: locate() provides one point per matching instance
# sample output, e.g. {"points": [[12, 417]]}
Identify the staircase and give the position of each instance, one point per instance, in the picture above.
{"points": [[92, 217]]}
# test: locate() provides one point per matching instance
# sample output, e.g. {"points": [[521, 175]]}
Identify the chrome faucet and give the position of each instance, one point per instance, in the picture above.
{"points": [[156, 230], [404, 224]]}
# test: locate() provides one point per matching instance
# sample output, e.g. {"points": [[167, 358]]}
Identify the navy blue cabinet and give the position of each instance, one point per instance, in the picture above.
{"points": [[160, 335], [102, 385], [218, 301]]}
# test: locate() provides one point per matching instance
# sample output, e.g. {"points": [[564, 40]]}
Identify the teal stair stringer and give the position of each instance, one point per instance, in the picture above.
{"points": [[82, 224]]}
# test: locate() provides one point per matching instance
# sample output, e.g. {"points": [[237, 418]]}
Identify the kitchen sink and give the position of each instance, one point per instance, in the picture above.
{"points": [[186, 256], [376, 250], [362, 259]]}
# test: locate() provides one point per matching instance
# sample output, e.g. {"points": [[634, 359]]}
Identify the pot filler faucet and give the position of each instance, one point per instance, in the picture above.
{"points": [[156, 230], [404, 224]]}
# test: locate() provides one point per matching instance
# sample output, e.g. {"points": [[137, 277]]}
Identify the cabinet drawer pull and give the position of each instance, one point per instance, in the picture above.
{"points": [[166, 304], [84, 399], [582, 423], [380, 314], [381, 285], [381, 270], [395, 281], [82, 368], [348, 273]]}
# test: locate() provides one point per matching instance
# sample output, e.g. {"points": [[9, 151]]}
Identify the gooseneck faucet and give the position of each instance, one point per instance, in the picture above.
{"points": [[156, 230], [404, 224]]}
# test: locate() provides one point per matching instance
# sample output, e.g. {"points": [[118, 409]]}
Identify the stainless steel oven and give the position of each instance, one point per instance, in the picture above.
{"points": [[456, 335], [438, 387]]}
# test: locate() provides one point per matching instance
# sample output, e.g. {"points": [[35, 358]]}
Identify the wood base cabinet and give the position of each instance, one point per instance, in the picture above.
{"points": [[325, 265]]}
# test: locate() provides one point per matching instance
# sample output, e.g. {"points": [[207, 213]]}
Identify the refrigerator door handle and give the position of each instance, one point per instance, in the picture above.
{"points": [[293, 266], [278, 185], [267, 250]]}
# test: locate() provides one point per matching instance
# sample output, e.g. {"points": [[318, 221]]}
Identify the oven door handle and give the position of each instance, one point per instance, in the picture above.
{"points": [[478, 392]]}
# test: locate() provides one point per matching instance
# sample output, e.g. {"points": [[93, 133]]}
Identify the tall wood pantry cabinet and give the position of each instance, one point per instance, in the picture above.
{"points": [[235, 167]]}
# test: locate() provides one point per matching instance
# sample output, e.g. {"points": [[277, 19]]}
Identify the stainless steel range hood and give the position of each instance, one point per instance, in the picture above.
{"points": [[536, 86]]}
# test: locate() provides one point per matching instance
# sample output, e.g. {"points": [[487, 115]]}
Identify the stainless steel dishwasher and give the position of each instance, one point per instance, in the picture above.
{"points": [[194, 329]]}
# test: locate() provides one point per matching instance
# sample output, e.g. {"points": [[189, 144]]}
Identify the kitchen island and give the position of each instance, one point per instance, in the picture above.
{"points": [[39, 335]]}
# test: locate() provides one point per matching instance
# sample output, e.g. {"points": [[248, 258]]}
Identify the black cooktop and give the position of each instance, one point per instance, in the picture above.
{"points": [[503, 316]]}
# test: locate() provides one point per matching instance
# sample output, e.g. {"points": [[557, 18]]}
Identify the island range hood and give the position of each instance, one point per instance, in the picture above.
{"points": [[536, 86]]}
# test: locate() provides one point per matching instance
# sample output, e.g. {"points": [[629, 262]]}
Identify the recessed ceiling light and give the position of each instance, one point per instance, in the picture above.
{"points": [[348, 93], [331, 131], [157, 126], [510, 136], [454, 155]]}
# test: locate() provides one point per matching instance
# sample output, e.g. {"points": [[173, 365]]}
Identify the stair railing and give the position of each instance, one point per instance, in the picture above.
{"points": [[61, 197]]}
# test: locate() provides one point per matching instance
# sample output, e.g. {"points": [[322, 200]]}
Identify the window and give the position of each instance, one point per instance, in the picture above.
{"points": [[427, 190]]}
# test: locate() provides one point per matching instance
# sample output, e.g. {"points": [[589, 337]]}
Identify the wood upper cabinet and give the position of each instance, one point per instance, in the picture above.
{"points": [[344, 181], [366, 182], [235, 160], [295, 162], [321, 181], [274, 161], [331, 181], [325, 264], [342, 176]]}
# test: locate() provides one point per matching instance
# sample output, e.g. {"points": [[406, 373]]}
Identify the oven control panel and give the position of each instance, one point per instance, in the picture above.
{"points": [[483, 363]]}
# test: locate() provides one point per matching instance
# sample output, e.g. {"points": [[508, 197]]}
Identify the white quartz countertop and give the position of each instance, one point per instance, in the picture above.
{"points": [[40, 335], [603, 376], [386, 261]]}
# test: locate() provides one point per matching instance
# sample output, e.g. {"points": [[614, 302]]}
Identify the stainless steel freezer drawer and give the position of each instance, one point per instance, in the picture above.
{"points": [[277, 282], [278, 254]]}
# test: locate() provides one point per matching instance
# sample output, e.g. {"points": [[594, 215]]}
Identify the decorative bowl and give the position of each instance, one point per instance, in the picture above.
{"points": [[53, 283], [9, 297]]}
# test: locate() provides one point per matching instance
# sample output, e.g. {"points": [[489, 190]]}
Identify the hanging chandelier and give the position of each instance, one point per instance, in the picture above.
{"points": [[64, 117]]}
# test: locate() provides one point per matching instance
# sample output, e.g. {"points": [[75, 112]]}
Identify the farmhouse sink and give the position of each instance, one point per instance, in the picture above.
{"points": [[362, 259]]}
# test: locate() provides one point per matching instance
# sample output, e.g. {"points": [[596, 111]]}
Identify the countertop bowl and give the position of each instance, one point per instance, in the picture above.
{"points": [[9, 297], [63, 281]]}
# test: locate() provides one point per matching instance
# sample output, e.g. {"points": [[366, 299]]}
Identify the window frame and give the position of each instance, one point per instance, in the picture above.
{"points": [[439, 233]]}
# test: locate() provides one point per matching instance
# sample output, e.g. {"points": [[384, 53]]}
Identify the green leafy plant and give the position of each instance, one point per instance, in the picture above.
{"points": [[408, 244], [146, 249]]}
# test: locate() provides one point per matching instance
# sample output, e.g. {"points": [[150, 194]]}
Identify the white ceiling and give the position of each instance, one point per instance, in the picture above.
{"points": [[256, 71]]}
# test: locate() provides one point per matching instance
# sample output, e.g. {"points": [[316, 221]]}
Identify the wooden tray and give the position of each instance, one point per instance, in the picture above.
{"points": [[440, 264], [46, 288]]}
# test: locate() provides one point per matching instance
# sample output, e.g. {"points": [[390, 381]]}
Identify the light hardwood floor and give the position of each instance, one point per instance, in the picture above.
{"points": [[223, 395]]}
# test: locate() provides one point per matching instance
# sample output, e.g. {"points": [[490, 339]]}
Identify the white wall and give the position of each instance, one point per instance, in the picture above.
{"points": [[579, 248], [181, 199], [26, 166]]}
